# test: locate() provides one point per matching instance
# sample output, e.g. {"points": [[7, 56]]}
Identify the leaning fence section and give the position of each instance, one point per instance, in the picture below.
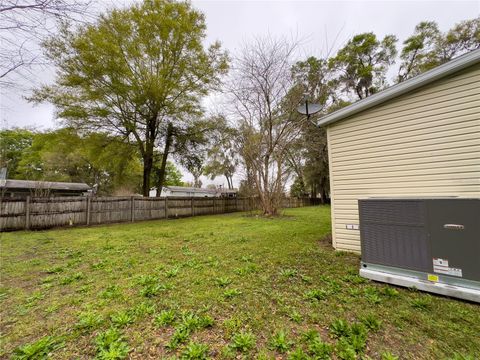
{"points": [[42, 213]]}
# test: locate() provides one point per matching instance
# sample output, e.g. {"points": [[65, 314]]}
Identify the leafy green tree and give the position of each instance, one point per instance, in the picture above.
{"points": [[97, 159], [308, 155], [222, 155], [138, 72], [428, 47], [316, 81], [13, 143], [361, 65], [173, 176], [297, 189], [195, 166]]}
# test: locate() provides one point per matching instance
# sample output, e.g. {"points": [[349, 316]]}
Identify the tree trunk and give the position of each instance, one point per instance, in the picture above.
{"points": [[166, 150], [147, 168], [229, 181]]}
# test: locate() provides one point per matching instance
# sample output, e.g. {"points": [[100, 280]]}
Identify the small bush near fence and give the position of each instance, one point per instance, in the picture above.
{"points": [[42, 213]]}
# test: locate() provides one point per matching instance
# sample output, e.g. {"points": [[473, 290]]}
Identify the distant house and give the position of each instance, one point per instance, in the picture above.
{"points": [[184, 191], [229, 193], [24, 188]]}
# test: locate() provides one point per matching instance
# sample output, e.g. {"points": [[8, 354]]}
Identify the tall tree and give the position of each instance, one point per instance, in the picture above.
{"points": [[13, 143], [139, 72], [195, 166], [361, 65], [222, 153], [428, 47], [308, 156], [267, 117]]}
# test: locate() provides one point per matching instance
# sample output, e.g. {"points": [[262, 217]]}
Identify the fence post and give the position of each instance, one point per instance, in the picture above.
{"points": [[132, 209], [166, 207], [27, 213], [87, 215], [192, 205]]}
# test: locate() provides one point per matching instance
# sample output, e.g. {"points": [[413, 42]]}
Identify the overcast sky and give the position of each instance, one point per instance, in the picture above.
{"points": [[322, 25]]}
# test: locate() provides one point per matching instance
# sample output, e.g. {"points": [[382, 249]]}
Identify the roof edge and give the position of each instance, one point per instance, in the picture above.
{"points": [[462, 62]]}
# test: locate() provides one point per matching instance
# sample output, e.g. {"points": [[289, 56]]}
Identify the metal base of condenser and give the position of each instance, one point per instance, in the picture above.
{"points": [[424, 285]]}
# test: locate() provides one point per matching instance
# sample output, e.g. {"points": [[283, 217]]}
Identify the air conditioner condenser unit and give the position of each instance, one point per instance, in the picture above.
{"points": [[432, 244]]}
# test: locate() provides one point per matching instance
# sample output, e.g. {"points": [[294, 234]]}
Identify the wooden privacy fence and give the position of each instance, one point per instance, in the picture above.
{"points": [[42, 213]]}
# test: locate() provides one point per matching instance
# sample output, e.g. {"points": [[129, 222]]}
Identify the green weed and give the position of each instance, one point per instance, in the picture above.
{"points": [[88, 320], [223, 281], [316, 294], [421, 303], [280, 342], [195, 351], [111, 345], [122, 318], [371, 322], [166, 317], [179, 337], [295, 316], [230, 293], [319, 349], [38, 350], [289, 272], [389, 356], [298, 354], [111, 292], [243, 341]]}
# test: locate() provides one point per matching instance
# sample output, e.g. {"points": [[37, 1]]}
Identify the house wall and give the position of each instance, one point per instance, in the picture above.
{"points": [[421, 144]]}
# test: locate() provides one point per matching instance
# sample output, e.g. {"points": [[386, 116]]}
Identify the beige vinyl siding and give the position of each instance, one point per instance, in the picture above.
{"points": [[425, 143]]}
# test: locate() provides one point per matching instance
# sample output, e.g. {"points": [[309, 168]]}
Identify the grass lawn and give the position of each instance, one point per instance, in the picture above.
{"points": [[225, 286]]}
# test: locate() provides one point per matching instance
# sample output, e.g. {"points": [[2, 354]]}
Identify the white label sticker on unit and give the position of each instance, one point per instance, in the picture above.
{"points": [[455, 272], [352, 226], [440, 266]]}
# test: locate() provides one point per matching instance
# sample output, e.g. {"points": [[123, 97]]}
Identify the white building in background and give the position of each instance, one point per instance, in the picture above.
{"points": [[183, 191]]}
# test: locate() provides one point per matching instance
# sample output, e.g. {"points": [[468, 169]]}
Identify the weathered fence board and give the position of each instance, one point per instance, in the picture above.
{"points": [[42, 213]]}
